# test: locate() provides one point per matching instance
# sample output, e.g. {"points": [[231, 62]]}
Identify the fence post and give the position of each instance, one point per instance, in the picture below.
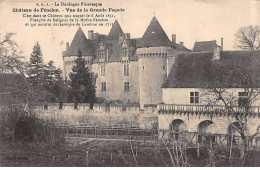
{"points": [[95, 131], [87, 157], [198, 150]]}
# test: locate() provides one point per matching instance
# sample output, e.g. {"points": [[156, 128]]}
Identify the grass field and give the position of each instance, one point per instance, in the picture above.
{"points": [[82, 152]]}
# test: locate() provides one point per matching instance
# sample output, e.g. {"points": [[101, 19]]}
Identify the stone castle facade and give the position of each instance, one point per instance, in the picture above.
{"points": [[128, 69], [154, 72]]}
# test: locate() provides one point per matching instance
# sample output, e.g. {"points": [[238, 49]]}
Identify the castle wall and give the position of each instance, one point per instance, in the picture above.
{"points": [[101, 115], [115, 79]]}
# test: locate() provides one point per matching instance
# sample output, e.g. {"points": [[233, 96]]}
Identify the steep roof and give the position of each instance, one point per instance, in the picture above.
{"points": [[180, 47], [80, 42], [204, 46], [154, 36], [115, 31], [234, 69]]}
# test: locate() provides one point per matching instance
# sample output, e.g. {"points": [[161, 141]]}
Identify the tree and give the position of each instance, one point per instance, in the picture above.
{"points": [[53, 82], [82, 82], [36, 66], [225, 77], [248, 38], [11, 57], [17, 94], [49, 76]]}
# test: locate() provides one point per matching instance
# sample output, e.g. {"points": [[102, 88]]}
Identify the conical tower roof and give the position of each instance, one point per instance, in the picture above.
{"points": [[155, 36], [80, 42], [114, 32]]}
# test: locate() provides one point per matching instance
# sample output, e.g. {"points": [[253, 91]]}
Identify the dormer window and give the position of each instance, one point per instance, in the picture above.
{"points": [[101, 53], [124, 52], [242, 99]]}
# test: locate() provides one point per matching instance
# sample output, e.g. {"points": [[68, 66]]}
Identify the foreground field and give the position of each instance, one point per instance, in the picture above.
{"points": [[82, 152]]}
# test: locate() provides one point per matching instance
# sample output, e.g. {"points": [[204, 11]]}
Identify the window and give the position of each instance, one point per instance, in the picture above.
{"points": [[194, 97], [126, 69], [164, 68], [103, 70], [101, 53], [103, 88], [126, 86], [242, 99], [124, 52]]}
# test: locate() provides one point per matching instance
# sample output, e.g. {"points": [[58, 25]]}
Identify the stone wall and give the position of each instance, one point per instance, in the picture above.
{"points": [[220, 123], [101, 115], [115, 80], [182, 95]]}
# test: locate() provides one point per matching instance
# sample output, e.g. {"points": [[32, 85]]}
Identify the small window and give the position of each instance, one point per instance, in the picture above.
{"points": [[126, 86], [164, 68], [101, 53], [242, 99], [103, 88], [103, 70], [194, 97], [143, 67], [126, 69], [124, 52]]}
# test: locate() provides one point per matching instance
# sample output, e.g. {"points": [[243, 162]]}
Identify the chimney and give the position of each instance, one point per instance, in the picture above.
{"points": [[95, 36], [222, 44], [174, 38], [216, 55], [67, 46], [181, 43], [90, 34]]}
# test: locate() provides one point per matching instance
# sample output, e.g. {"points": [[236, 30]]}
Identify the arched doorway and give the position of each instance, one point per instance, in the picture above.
{"points": [[204, 135], [177, 129]]}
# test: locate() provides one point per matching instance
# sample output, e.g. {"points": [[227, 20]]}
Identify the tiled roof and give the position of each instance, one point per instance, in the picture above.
{"points": [[180, 47], [204, 46], [115, 31], [199, 70], [80, 42], [154, 36]]}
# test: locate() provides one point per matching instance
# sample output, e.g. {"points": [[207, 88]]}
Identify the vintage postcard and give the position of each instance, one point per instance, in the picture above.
{"points": [[129, 83]]}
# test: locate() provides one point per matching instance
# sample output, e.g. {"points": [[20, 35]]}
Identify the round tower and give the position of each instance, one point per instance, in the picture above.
{"points": [[152, 73], [152, 59]]}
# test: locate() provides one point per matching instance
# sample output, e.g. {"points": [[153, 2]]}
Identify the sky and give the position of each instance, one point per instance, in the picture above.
{"points": [[190, 20]]}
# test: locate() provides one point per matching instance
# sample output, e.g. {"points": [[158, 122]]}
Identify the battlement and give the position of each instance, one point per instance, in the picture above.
{"points": [[97, 107], [153, 51]]}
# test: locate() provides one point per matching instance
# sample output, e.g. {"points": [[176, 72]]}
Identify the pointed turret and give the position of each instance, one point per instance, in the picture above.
{"points": [[155, 36], [115, 31], [80, 42]]}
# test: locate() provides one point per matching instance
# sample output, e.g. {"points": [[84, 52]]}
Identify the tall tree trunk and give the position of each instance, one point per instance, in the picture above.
{"points": [[243, 149]]}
